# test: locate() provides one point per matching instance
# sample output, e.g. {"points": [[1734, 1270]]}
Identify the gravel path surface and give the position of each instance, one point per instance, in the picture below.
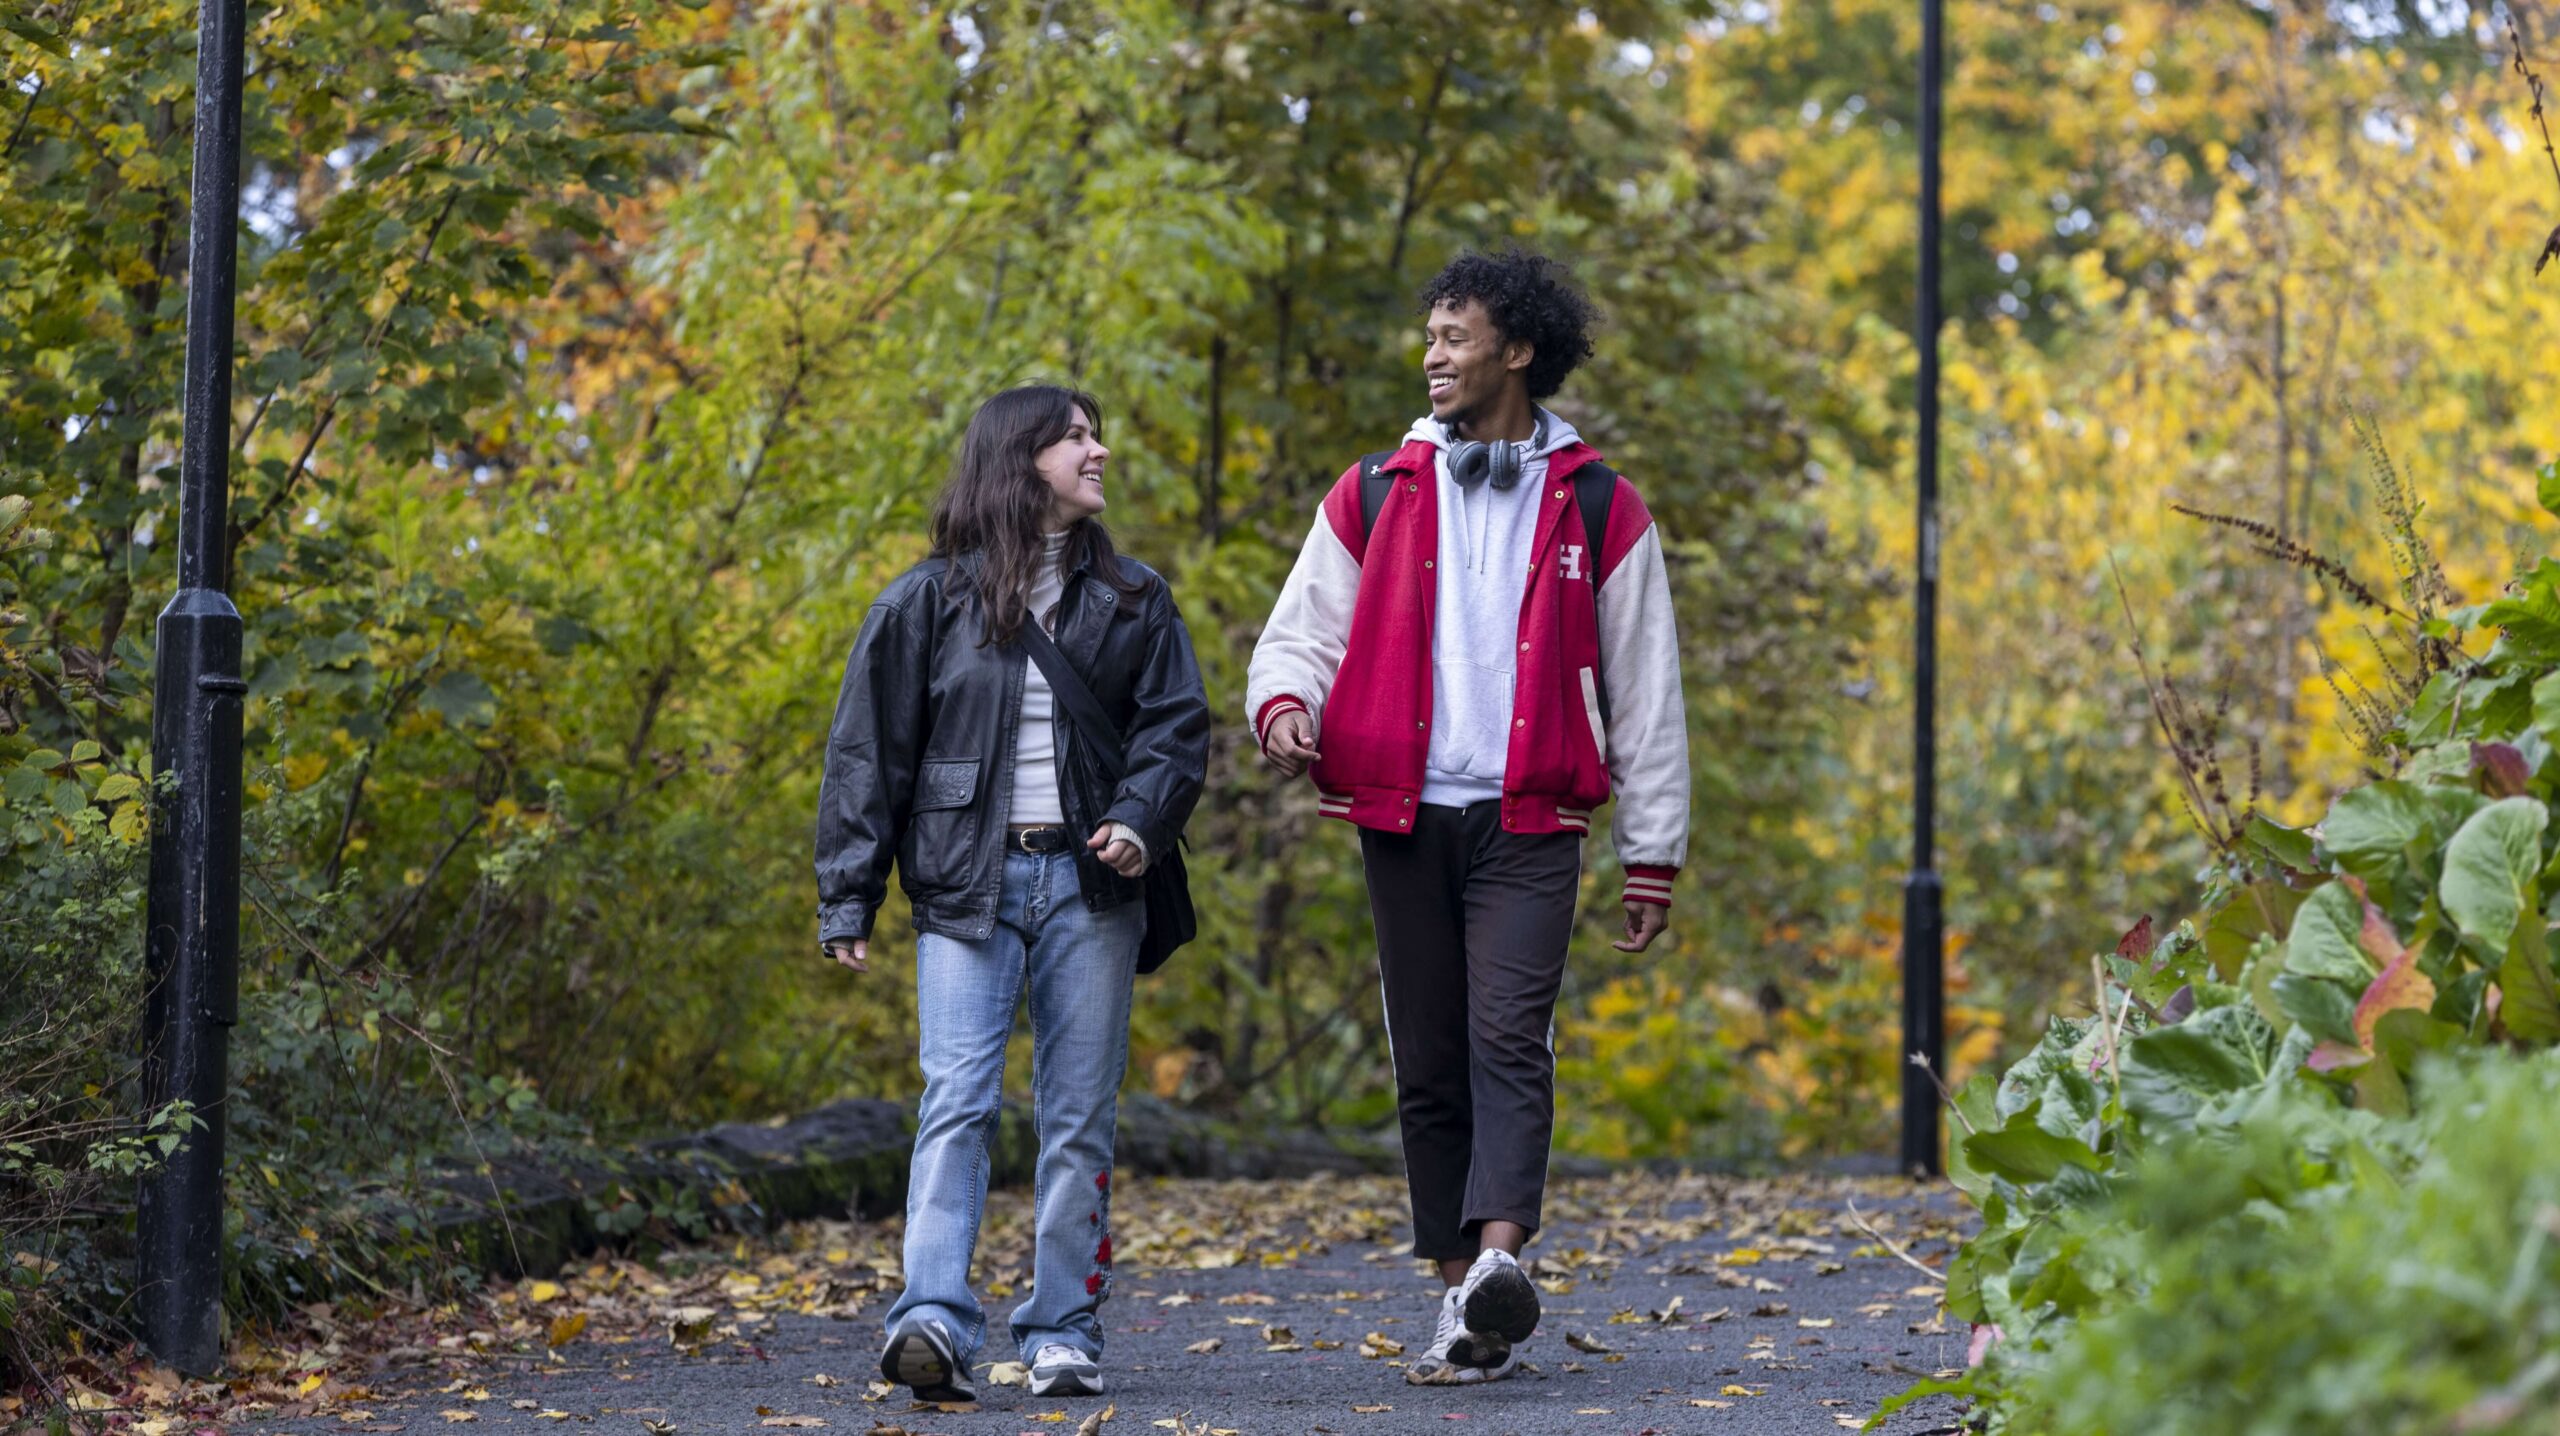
{"points": [[1672, 1305]]}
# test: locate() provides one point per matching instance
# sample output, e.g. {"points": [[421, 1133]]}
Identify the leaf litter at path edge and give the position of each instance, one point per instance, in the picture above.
{"points": [[706, 1301]]}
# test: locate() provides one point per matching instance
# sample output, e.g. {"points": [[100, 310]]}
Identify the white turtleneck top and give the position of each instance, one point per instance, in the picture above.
{"points": [[1035, 740]]}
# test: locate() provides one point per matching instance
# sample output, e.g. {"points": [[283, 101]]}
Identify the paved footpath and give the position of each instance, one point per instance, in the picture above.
{"points": [[1673, 1305]]}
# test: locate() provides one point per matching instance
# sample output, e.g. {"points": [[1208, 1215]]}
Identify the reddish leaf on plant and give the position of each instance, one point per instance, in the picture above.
{"points": [[2500, 770], [2138, 941], [2400, 985]]}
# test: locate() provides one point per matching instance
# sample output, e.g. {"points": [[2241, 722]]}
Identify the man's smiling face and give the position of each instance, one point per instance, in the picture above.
{"points": [[1466, 361]]}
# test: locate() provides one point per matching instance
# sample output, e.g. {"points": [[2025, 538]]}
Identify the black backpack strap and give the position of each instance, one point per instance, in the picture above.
{"points": [[1374, 484], [1594, 485]]}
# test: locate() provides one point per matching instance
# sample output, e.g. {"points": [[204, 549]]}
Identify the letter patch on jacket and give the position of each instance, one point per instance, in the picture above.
{"points": [[1573, 560]]}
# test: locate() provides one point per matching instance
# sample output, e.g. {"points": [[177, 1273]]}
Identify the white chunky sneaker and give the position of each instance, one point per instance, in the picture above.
{"points": [[1498, 1306], [923, 1357], [1434, 1367], [1058, 1369]]}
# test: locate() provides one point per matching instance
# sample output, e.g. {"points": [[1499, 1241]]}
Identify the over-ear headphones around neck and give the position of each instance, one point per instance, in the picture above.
{"points": [[1499, 462]]}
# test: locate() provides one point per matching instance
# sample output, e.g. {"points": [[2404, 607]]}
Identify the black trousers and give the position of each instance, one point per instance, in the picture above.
{"points": [[1473, 924]]}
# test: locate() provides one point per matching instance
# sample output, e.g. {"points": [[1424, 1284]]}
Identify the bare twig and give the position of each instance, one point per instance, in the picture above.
{"points": [[2533, 82], [1921, 1061], [1859, 1220], [24, 115]]}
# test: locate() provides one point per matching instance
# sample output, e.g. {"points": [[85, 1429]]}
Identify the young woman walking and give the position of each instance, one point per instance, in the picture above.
{"points": [[1021, 854]]}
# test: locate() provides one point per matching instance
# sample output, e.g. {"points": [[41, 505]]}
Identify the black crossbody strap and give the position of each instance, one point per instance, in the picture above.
{"points": [[1083, 709]]}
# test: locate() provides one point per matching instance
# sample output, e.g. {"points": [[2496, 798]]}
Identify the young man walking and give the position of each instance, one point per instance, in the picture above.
{"points": [[1474, 651]]}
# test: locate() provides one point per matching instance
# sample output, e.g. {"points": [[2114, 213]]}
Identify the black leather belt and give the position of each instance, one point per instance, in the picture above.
{"points": [[1035, 839]]}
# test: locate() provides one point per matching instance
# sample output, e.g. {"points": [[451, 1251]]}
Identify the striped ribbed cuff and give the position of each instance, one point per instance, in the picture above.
{"points": [[1272, 710], [1646, 883]]}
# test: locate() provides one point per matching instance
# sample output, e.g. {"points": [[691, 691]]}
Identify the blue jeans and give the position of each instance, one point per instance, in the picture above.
{"points": [[1080, 964]]}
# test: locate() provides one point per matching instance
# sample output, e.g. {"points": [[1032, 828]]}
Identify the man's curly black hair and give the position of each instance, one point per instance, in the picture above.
{"points": [[1531, 298]]}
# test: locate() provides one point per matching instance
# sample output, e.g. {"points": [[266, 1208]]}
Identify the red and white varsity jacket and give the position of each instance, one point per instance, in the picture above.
{"points": [[1350, 643]]}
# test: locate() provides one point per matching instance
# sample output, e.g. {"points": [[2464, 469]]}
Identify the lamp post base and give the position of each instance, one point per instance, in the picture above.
{"points": [[191, 954], [1924, 942]]}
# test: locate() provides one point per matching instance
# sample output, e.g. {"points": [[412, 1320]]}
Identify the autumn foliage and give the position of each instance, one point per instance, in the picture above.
{"points": [[596, 362]]}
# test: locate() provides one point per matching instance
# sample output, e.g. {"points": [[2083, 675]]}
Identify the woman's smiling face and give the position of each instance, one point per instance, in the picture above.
{"points": [[1072, 468]]}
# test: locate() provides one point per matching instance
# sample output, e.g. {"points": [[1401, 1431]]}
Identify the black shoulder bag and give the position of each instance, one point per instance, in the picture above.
{"points": [[1171, 922]]}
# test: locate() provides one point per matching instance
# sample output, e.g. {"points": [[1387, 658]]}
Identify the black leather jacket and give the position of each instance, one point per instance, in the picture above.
{"points": [[920, 761]]}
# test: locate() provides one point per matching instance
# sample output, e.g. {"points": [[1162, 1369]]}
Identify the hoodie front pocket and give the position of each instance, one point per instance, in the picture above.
{"points": [[1591, 710]]}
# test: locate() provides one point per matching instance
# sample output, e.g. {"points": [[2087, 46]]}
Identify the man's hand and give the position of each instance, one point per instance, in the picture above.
{"points": [[1645, 922], [855, 954], [1118, 854], [1291, 744]]}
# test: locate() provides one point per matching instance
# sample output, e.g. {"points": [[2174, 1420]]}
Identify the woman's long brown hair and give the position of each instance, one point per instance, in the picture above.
{"points": [[996, 504]]}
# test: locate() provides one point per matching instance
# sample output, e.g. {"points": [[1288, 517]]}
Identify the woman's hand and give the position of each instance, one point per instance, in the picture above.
{"points": [[855, 954], [1118, 854]]}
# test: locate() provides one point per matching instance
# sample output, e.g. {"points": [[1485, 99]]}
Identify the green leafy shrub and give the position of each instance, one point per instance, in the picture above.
{"points": [[2286, 1037], [2305, 1266]]}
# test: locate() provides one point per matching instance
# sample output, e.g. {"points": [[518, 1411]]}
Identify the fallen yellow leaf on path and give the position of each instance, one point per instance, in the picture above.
{"points": [[566, 1329], [545, 1291], [1206, 1348]]}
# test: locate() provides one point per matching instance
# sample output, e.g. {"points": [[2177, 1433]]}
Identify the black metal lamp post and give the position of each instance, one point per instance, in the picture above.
{"points": [[1923, 915], [192, 946]]}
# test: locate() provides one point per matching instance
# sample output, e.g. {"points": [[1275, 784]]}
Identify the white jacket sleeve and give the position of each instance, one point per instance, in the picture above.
{"points": [[1301, 648], [1648, 722]]}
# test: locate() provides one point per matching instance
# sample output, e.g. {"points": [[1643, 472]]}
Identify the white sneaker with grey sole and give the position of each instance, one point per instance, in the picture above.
{"points": [[1498, 1308], [923, 1357], [1434, 1366], [1058, 1369]]}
